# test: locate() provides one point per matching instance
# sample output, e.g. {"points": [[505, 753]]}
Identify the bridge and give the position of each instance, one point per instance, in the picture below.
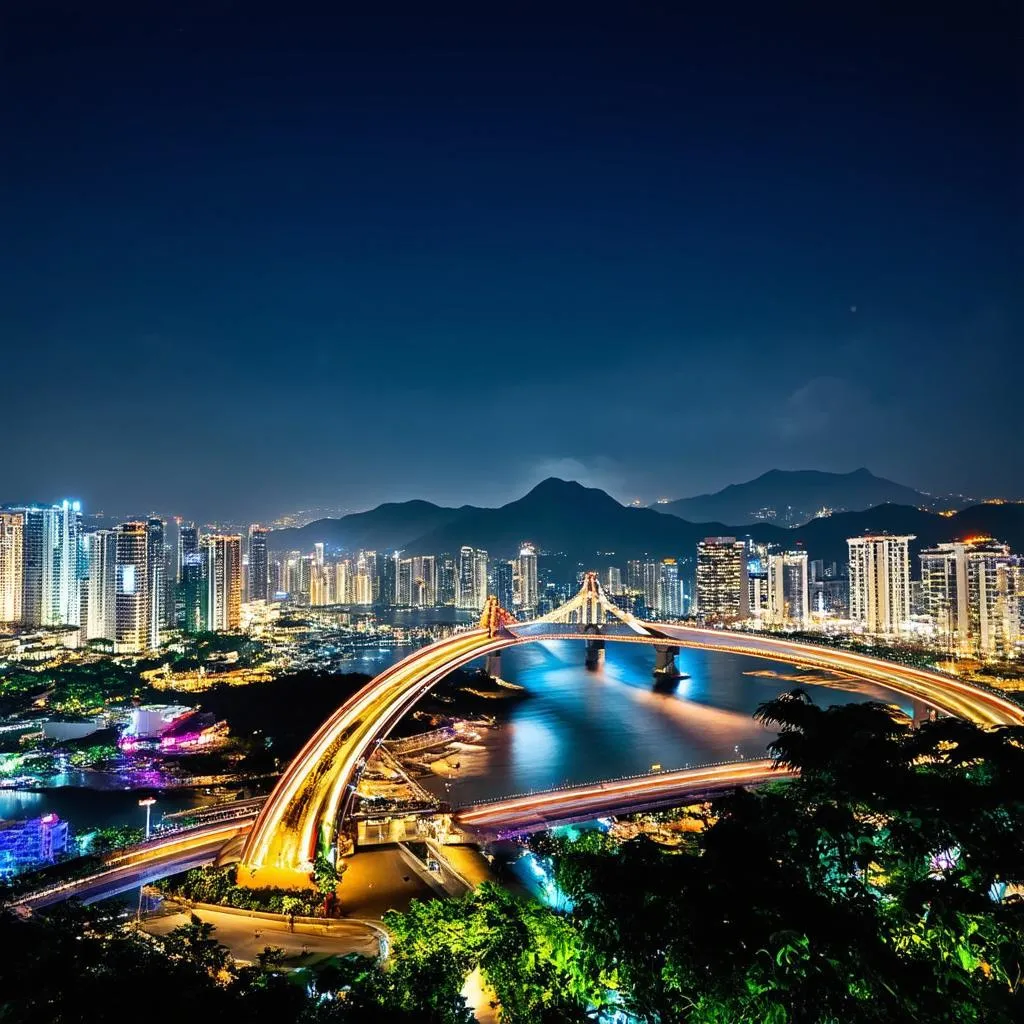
{"points": [[309, 811]]}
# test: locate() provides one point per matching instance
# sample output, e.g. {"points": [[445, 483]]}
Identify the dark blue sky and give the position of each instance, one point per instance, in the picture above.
{"points": [[259, 258]]}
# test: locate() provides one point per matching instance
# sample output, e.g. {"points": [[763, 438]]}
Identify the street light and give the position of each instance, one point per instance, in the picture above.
{"points": [[147, 802]]}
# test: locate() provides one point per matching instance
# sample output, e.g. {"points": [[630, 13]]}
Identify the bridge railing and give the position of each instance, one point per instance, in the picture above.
{"points": [[566, 786]]}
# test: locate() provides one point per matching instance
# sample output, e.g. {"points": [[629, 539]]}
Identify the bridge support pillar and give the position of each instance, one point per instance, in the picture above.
{"points": [[493, 665], [595, 654], [665, 662]]}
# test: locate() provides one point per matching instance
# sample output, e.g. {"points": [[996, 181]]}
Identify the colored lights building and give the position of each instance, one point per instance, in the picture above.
{"points": [[788, 589], [258, 575], [27, 844], [880, 582], [12, 576], [223, 557], [613, 581], [722, 579], [191, 588], [972, 591], [131, 589]]}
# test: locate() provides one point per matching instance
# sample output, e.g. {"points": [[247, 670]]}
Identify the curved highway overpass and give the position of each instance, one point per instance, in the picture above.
{"points": [[315, 793]]}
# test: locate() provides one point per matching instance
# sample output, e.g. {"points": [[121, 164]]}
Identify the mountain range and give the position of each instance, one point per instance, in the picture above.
{"points": [[589, 526], [792, 498]]}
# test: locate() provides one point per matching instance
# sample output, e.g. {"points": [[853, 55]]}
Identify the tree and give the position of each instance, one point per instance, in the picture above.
{"points": [[195, 943], [270, 957]]}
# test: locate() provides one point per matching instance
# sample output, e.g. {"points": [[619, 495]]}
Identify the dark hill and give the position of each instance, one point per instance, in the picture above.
{"points": [[795, 496], [384, 527]]}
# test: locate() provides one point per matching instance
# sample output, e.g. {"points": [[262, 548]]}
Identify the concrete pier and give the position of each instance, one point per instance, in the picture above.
{"points": [[665, 662], [595, 654]]}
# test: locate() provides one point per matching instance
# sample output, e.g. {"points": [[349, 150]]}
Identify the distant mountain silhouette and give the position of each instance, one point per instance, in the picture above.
{"points": [[564, 516], [384, 527], [592, 528], [795, 496]]}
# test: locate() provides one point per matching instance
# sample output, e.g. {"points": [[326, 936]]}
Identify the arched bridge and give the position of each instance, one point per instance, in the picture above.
{"points": [[310, 806]]}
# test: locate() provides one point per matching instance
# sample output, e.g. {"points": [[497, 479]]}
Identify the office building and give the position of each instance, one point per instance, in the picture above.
{"points": [[788, 589], [501, 583], [880, 582], [156, 567], [757, 595], [669, 594], [223, 557], [525, 593], [971, 592], [52, 565], [12, 576], [722, 580], [613, 581], [472, 579], [364, 585], [131, 589], [447, 581], [258, 576], [192, 588], [100, 585]]}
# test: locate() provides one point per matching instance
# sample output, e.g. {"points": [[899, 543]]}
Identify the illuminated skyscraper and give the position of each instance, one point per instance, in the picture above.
{"points": [[131, 595], [52, 565], [722, 579], [447, 581], [502, 583], [670, 604], [472, 589], [12, 576], [525, 593], [613, 581], [156, 566], [223, 581], [365, 578], [971, 591], [193, 579], [258, 575], [650, 586], [342, 581], [100, 586], [788, 589], [880, 582]]}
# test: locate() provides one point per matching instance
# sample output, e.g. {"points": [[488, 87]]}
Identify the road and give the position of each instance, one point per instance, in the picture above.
{"points": [[239, 933], [535, 812]]}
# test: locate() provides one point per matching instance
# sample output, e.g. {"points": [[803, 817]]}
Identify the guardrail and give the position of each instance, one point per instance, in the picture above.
{"points": [[606, 782]]}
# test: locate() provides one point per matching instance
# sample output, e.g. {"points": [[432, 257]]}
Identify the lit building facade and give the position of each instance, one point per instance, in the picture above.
{"points": [[472, 579], [12, 575], [788, 589], [972, 592], [669, 595], [258, 575], [156, 567], [722, 579], [525, 592], [131, 589], [52, 565], [223, 581], [880, 582], [100, 586], [192, 586]]}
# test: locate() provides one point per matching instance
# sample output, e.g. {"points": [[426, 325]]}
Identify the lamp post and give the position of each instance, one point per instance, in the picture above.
{"points": [[147, 803]]}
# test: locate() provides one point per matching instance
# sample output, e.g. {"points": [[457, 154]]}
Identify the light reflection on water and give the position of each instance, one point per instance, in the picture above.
{"points": [[580, 726]]}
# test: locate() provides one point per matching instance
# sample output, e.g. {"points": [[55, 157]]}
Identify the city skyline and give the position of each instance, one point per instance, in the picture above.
{"points": [[694, 231]]}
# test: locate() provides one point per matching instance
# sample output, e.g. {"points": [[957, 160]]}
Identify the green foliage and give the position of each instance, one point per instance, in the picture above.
{"points": [[218, 886]]}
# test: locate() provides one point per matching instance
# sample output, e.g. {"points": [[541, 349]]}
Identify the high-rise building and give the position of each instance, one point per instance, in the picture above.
{"points": [[12, 575], [156, 567], [131, 594], [651, 572], [100, 585], [525, 593], [788, 589], [613, 581], [52, 565], [502, 583], [342, 580], [970, 591], [670, 604], [757, 594], [722, 579], [364, 581], [172, 571], [472, 579], [192, 588], [880, 582], [223, 581], [258, 575]]}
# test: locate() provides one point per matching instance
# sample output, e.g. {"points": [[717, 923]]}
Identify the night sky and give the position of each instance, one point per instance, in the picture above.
{"points": [[258, 258]]}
